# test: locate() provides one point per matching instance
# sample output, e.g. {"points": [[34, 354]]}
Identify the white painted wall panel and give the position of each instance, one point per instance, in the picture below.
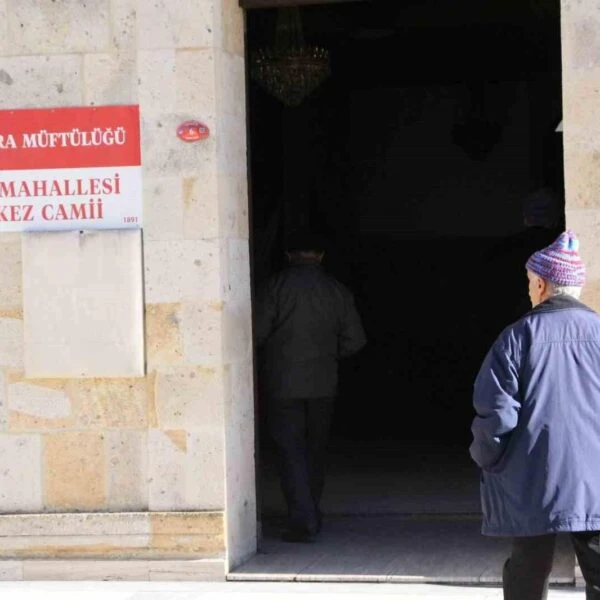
{"points": [[83, 304]]}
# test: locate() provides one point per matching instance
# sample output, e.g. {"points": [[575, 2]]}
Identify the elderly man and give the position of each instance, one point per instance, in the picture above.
{"points": [[306, 321], [537, 429]]}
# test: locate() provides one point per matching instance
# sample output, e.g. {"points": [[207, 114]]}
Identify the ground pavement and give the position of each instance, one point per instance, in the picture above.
{"points": [[253, 591]]}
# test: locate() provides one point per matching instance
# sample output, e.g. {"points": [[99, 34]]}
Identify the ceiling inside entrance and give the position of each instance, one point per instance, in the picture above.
{"points": [[429, 40]]}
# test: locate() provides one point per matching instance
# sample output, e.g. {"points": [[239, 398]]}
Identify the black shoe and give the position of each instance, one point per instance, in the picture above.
{"points": [[298, 535]]}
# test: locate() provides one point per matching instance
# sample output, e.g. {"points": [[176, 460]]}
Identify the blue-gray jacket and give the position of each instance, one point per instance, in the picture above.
{"points": [[537, 429]]}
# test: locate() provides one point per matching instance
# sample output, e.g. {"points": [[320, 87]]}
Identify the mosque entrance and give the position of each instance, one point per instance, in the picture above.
{"points": [[429, 158]]}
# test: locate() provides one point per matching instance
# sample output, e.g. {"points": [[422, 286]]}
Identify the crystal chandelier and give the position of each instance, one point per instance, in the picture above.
{"points": [[290, 70]]}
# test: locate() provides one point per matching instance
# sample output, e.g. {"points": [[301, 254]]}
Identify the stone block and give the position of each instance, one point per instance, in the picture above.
{"points": [[103, 536], [586, 223], [176, 24], [109, 403], [166, 476], [232, 149], [201, 207], [591, 294], [74, 468], [232, 27], [185, 470], [205, 468], [581, 39], [190, 398], [3, 402], [192, 534], [238, 273], [234, 217], [39, 405], [163, 209], [237, 318], [11, 570], [124, 25], [157, 81], [237, 333], [11, 342], [59, 27], [83, 304], [231, 85], [86, 570], [582, 175], [109, 79], [127, 464], [4, 41], [201, 324], [69, 525], [196, 84], [581, 94], [11, 296], [20, 468], [165, 155], [34, 82], [187, 570], [182, 271], [240, 466], [164, 336], [204, 569]]}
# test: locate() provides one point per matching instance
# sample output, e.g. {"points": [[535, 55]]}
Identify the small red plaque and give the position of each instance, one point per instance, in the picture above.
{"points": [[192, 131]]}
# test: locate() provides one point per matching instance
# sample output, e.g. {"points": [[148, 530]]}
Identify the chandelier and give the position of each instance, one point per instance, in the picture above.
{"points": [[290, 70]]}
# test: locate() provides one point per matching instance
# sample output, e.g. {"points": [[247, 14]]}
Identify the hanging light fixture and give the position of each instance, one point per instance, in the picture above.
{"points": [[290, 70]]}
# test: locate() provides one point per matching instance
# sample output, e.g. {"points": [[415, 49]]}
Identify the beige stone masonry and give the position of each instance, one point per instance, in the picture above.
{"points": [[127, 465], [74, 471], [164, 335], [46, 404], [113, 570], [201, 213], [4, 44], [11, 288], [58, 27], [581, 122], [57, 83], [3, 403], [176, 24], [163, 208], [171, 535], [109, 79], [126, 447], [11, 340], [20, 473], [180, 465]]}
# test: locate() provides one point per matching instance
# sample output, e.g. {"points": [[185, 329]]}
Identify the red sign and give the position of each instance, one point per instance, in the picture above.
{"points": [[103, 136], [192, 131]]}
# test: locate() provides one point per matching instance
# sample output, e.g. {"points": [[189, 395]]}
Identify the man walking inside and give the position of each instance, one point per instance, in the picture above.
{"points": [[306, 321], [537, 429]]}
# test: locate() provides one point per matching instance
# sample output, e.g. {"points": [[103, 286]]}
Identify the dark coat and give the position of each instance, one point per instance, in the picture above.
{"points": [[537, 429], [305, 322]]}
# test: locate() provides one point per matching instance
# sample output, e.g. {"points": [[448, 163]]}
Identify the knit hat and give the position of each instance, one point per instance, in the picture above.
{"points": [[560, 262]]}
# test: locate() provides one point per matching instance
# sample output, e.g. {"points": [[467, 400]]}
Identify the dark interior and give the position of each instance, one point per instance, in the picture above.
{"points": [[414, 158]]}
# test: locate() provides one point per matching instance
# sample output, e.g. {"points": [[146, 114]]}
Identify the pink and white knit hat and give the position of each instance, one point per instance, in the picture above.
{"points": [[560, 262]]}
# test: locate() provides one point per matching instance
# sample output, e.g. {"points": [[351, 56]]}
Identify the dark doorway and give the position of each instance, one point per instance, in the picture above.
{"points": [[415, 157]]}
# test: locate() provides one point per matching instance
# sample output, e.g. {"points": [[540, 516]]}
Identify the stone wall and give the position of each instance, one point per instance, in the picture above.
{"points": [[137, 451], [581, 118]]}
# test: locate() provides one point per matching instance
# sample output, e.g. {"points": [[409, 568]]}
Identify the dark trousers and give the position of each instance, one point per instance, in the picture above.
{"points": [[527, 571], [300, 431]]}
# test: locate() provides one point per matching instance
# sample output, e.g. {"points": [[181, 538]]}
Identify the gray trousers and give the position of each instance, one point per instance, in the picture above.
{"points": [[527, 571], [300, 431]]}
